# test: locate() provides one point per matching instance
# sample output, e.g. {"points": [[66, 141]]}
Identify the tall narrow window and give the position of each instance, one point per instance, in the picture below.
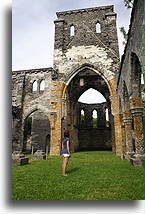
{"points": [[82, 122], [98, 28], [142, 86], [142, 79], [82, 115], [72, 30], [42, 85], [107, 117], [34, 87], [95, 119]]}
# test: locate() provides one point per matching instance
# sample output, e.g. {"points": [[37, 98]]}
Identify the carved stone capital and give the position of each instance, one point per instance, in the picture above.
{"points": [[137, 111], [127, 120]]}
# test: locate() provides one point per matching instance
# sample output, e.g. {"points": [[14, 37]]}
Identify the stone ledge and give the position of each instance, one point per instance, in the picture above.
{"points": [[137, 162], [111, 7], [39, 155], [19, 159]]}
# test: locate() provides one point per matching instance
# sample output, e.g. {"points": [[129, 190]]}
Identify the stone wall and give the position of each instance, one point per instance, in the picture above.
{"points": [[94, 135], [29, 102], [86, 46], [130, 87], [95, 139], [87, 51], [134, 47], [88, 109]]}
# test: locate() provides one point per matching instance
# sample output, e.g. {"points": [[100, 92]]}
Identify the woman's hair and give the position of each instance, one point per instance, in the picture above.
{"points": [[66, 133]]}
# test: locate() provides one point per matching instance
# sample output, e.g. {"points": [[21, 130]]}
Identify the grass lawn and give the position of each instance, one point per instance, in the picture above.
{"points": [[93, 175]]}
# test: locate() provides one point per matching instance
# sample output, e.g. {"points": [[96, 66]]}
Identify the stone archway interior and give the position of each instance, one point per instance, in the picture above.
{"points": [[87, 123], [36, 132]]}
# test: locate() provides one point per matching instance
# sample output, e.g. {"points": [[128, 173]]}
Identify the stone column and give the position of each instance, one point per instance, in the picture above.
{"points": [[137, 114], [55, 117], [123, 137], [118, 135], [128, 137], [117, 125]]}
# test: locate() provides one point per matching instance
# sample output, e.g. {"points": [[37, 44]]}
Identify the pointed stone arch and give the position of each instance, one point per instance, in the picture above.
{"points": [[108, 79], [40, 128], [136, 72]]}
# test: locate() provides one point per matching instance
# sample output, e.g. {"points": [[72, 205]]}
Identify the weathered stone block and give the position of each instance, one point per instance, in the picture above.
{"points": [[19, 159], [39, 155], [137, 160]]}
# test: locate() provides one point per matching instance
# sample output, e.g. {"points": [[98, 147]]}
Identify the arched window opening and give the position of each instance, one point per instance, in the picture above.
{"points": [[82, 115], [126, 103], [142, 85], [72, 30], [29, 125], [142, 79], [107, 117], [91, 96], [98, 28], [82, 118], [136, 74], [34, 87], [42, 85], [95, 119]]}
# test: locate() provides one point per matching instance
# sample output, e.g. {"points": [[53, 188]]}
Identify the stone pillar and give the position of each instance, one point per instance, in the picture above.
{"points": [[137, 114], [117, 125], [128, 138], [128, 134], [118, 135], [55, 117], [123, 137], [88, 119], [113, 133]]}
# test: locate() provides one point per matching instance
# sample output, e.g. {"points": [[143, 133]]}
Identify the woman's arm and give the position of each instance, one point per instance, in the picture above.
{"points": [[68, 149]]}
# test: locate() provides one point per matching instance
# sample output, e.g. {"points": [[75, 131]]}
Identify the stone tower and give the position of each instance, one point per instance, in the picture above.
{"points": [[85, 36], [85, 49]]}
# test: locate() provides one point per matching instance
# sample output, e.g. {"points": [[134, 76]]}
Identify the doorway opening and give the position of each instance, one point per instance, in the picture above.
{"points": [[36, 131], [88, 112]]}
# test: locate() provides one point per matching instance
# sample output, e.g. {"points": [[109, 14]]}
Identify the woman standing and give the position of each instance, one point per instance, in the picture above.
{"points": [[65, 152]]}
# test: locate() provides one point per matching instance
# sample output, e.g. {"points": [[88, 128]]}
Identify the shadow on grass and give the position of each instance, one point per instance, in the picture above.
{"points": [[73, 170]]}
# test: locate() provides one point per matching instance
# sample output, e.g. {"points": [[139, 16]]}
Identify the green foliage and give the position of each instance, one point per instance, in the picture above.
{"points": [[128, 3], [144, 74], [95, 121], [125, 35], [96, 175], [107, 123], [82, 117]]}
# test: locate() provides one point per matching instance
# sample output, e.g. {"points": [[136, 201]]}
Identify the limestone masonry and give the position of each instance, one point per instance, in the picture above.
{"points": [[45, 101]]}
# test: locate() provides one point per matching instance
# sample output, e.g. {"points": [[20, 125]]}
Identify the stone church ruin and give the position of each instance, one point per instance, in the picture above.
{"points": [[86, 55]]}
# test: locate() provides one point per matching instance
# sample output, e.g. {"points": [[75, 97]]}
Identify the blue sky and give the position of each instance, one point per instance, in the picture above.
{"points": [[33, 28]]}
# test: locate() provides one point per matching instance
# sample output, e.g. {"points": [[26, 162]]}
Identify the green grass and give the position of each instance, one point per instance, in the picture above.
{"points": [[95, 175]]}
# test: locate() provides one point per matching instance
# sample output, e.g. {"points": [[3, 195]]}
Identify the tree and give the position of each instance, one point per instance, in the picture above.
{"points": [[128, 3], [125, 35]]}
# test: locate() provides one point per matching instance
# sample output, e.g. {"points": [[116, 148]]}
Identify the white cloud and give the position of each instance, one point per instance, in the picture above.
{"points": [[33, 28]]}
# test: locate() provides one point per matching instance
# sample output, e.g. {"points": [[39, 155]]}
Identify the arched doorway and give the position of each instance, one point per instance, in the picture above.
{"points": [[137, 82], [27, 143], [36, 131], [79, 116]]}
